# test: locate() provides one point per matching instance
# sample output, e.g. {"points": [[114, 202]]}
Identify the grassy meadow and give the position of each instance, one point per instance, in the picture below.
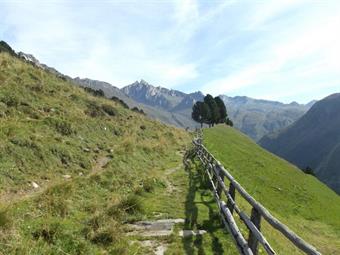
{"points": [[300, 201]]}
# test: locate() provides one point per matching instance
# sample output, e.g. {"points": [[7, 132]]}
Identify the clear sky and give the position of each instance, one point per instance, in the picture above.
{"points": [[280, 50]]}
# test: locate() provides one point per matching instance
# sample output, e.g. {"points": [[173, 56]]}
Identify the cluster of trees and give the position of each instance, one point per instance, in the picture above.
{"points": [[211, 111]]}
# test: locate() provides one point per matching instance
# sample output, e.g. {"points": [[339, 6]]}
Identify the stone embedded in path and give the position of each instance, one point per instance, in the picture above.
{"points": [[157, 246], [154, 228], [188, 233]]}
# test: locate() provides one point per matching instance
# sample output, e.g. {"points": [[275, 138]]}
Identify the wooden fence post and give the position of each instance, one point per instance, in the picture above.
{"points": [[231, 192], [221, 175], [252, 240]]}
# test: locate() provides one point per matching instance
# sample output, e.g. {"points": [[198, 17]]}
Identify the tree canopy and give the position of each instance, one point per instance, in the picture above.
{"points": [[211, 111]]}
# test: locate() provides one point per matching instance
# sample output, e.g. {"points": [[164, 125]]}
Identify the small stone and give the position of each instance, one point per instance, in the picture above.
{"points": [[187, 233], [81, 174], [66, 176], [86, 150], [35, 185]]}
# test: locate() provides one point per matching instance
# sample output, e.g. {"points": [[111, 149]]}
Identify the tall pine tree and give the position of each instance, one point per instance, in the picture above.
{"points": [[214, 111], [222, 109], [201, 113]]}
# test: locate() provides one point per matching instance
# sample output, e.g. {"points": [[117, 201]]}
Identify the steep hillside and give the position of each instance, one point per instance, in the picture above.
{"points": [[257, 118], [299, 200], [313, 141], [66, 159], [77, 169]]}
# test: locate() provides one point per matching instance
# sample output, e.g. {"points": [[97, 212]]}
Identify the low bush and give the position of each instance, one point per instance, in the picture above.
{"points": [[10, 100], [61, 126], [5, 220], [131, 204], [109, 109], [48, 232], [94, 110], [64, 127], [95, 92], [135, 109], [120, 101]]}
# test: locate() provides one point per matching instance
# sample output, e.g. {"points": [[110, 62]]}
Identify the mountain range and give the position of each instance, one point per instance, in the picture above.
{"points": [[313, 141], [257, 118], [253, 117]]}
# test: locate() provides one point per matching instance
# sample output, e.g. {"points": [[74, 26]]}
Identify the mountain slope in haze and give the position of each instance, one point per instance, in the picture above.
{"points": [[108, 89], [175, 118], [313, 141], [257, 118], [145, 93], [301, 201]]}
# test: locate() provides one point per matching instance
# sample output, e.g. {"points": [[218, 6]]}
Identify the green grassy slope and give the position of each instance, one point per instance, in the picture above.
{"points": [[98, 166], [302, 202], [61, 137]]}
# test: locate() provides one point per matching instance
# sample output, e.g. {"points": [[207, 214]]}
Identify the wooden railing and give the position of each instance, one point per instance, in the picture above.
{"points": [[217, 174]]}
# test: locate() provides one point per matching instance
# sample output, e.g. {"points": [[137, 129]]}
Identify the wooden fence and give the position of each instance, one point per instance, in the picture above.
{"points": [[217, 174]]}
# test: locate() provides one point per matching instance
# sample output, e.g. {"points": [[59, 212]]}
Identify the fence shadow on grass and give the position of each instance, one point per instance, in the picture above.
{"points": [[199, 199]]}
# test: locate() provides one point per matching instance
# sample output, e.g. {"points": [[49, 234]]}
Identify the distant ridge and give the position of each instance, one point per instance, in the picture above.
{"points": [[313, 141], [257, 117]]}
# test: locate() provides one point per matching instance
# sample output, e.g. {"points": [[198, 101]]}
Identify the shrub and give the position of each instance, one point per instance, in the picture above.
{"points": [[135, 109], [308, 170], [131, 204], [149, 184], [95, 92], [229, 122], [109, 109], [11, 100], [64, 127], [61, 126], [30, 111], [120, 101], [104, 237], [64, 155], [5, 220], [94, 110], [48, 232]]}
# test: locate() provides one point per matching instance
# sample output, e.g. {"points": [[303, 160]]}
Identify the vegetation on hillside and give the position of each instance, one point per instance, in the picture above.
{"points": [[211, 111], [299, 200], [75, 168], [73, 165]]}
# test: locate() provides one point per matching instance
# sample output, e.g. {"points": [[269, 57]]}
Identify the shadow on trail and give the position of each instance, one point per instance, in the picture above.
{"points": [[199, 199]]}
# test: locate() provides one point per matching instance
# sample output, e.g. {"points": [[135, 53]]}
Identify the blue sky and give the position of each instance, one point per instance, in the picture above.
{"points": [[278, 50]]}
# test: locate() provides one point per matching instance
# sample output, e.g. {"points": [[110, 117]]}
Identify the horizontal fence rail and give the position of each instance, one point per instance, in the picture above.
{"points": [[216, 174]]}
